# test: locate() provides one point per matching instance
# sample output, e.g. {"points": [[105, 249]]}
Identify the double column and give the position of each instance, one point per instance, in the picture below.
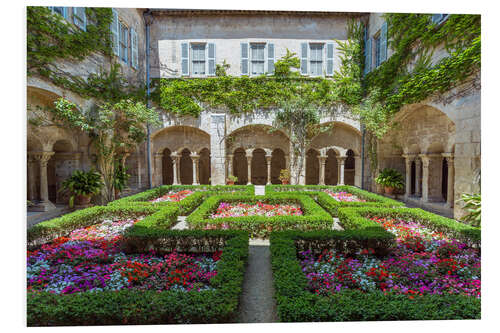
{"points": [[431, 171], [322, 163], [450, 195], [268, 162], [42, 158], [249, 166], [341, 165], [196, 162], [409, 158], [175, 167]]}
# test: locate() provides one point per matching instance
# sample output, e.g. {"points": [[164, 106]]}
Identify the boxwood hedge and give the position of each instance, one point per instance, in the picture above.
{"points": [[314, 217], [296, 304], [152, 307]]}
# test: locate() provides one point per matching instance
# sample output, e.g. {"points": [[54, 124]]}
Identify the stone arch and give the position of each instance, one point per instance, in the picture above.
{"points": [[331, 167], [312, 167], [278, 162], [257, 136], [240, 166], [340, 137], [178, 138], [204, 166], [185, 167], [167, 168]]}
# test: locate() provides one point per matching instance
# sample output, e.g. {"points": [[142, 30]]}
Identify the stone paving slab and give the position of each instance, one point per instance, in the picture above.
{"points": [[260, 190], [181, 223]]}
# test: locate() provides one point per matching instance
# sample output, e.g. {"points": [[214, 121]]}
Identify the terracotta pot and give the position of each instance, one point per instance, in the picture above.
{"points": [[229, 182], [388, 189], [285, 181], [82, 200]]}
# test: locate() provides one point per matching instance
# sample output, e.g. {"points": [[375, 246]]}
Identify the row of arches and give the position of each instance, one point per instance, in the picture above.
{"points": [[189, 166]]}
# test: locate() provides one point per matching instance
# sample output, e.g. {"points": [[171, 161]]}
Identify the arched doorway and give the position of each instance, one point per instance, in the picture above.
{"points": [[331, 168], [167, 168], [312, 167], [349, 168], [278, 163], [204, 167], [186, 168], [259, 167], [240, 168]]}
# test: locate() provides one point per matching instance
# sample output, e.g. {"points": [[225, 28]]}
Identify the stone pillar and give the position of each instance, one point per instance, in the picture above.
{"points": [[175, 162], [31, 178], [357, 171], [408, 160], [340, 163], [158, 170], [196, 160], [450, 196], [43, 158], [322, 162], [418, 176], [230, 165], [431, 188], [217, 149], [268, 162], [287, 162], [249, 165]]}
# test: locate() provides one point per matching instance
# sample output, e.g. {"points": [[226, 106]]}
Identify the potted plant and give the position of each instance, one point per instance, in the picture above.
{"points": [[284, 176], [120, 179], [82, 185], [231, 180], [390, 179]]}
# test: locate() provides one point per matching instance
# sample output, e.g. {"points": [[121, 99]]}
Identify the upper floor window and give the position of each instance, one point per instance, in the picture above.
{"points": [[376, 42], [316, 59], [60, 10], [376, 46], [257, 58], [198, 60], [439, 18], [80, 18], [123, 42]]}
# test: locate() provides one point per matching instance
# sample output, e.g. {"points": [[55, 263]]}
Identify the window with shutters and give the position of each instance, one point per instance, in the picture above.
{"points": [[80, 18], [316, 59], [439, 18], [198, 60], [123, 44], [115, 33], [60, 10], [257, 58], [376, 41]]}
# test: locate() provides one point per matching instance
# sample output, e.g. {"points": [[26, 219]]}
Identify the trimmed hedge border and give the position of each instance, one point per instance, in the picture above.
{"points": [[151, 307], [44, 232], [350, 217], [314, 217], [331, 205], [188, 204], [296, 304]]}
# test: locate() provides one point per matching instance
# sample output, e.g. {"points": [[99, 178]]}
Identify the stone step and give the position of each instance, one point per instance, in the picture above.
{"points": [[181, 223], [260, 190]]}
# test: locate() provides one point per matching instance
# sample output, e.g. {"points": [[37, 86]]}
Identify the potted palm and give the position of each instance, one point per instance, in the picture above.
{"points": [[284, 176], [231, 180], [390, 179], [82, 185]]}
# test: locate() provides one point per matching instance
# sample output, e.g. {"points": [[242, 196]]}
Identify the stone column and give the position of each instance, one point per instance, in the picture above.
{"points": [[158, 171], [175, 162], [268, 162], [425, 177], [249, 165], [217, 149], [450, 196], [31, 177], [322, 162], [43, 158], [340, 163], [287, 162], [357, 171], [418, 176], [408, 159], [230, 164], [196, 160]]}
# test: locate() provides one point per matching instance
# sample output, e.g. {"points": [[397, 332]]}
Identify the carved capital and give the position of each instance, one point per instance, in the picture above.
{"points": [[43, 157]]}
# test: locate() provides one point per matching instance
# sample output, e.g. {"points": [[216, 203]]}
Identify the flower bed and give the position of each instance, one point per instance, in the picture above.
{"points": [[226, 209], [424, 262], [343, 196], [173, 196], [90, 259]]}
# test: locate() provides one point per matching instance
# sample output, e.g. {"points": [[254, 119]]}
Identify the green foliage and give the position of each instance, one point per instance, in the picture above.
{"points": [[150, 307], [390, 178], [121, 177], [473, 206], [82, 183], [232, 178], [296, 304], [220, 69], [282, 67], [284, 175], [314, 217]]}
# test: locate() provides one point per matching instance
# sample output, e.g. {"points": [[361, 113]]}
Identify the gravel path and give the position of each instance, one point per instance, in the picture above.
{"points": [[257, 302]]}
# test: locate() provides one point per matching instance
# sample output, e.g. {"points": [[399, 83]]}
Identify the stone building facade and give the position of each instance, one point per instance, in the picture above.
{"points": [[205, 150]]}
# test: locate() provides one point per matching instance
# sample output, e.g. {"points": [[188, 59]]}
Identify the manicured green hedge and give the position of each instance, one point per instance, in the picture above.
{"points": [[330, 204], [187, 205], [296, 304], [152, 307], [61, 226], [354, 217], [314, 217]]}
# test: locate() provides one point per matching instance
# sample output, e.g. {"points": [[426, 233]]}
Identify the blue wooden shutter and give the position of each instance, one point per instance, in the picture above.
{"points": [[329, 59], [270, 58], [383, 43], [134, 48], [185, 59], [211, 59], [244, 58], [368, 55], [125, 42], [79, 18], [115, 32], [303, 58]]}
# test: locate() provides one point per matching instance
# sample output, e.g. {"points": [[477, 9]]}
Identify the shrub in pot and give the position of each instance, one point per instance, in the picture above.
{"points": [[231, 180], [83, 185], [284, 176], [390, 179]]}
